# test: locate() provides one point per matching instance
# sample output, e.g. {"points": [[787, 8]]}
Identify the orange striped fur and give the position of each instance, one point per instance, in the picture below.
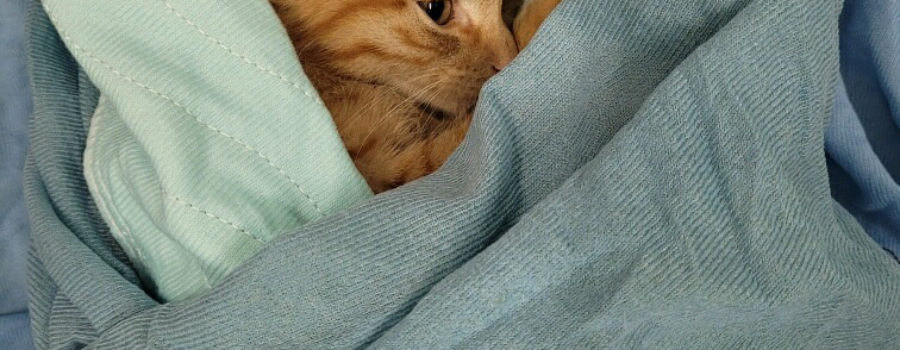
{"points": [[400, 87]]}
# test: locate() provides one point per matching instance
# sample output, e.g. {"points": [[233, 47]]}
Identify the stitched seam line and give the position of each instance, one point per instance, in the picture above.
{"points": [[214, 216], [238, 55], [104, 192], [153, 91], [130, 238], [126, 234]]}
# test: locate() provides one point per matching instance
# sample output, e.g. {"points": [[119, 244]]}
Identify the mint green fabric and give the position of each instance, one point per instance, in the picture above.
{"points": [[204, 145]]}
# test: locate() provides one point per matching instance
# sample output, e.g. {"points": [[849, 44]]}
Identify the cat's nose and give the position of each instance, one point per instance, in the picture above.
{"points": [[505, 52]]}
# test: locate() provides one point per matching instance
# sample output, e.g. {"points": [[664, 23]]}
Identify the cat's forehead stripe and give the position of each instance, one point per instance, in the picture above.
{"points": [[408, 37], [351, 9]]}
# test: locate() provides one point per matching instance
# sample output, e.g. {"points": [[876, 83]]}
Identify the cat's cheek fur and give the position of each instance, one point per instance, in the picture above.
{"points": [[400, 88]]}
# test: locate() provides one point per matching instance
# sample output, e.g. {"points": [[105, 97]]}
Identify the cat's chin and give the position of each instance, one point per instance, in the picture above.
{"points": [[435, 112], [459, 108], [442, 114], [444, 109], [471, 109]]}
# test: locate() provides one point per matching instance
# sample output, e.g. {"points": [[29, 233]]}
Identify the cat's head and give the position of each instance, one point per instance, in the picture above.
{"points": [[437, 53]]}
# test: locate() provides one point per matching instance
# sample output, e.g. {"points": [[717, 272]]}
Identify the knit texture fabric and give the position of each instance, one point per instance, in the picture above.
{"points": [[642, 176], [208, 141]]}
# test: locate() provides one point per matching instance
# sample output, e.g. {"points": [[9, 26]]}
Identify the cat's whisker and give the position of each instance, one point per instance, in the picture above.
{"points": [[381, 98], [405, 101]]}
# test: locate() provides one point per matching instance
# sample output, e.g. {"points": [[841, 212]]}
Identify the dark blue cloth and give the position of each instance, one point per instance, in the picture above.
{"points": [[15, 106], [863, 138]]}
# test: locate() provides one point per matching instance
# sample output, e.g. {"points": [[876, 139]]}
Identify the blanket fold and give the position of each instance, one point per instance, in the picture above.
{"points": [[864, 134], [641, 176]]}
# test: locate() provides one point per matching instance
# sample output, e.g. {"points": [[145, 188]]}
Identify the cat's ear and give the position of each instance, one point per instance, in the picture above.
{"points": [[530, 18]]}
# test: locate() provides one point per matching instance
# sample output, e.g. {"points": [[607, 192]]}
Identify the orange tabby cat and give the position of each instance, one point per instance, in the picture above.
{"points": [[400, 77]]}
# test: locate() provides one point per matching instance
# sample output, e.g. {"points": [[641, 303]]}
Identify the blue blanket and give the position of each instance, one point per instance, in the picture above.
{"points": [[863, 138], [641, 176], [15, 106]]}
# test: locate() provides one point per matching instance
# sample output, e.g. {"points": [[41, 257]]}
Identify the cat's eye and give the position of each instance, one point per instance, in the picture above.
{"points": [[438, 10]]}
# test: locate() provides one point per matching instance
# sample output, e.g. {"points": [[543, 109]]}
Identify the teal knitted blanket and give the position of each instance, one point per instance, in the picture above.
{"points": [[644, 175]]}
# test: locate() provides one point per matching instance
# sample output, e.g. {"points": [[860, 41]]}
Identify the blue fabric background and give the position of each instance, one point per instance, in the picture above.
{"points": [[663, 187], [863, 137], [15, 106], [862, 143]]}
